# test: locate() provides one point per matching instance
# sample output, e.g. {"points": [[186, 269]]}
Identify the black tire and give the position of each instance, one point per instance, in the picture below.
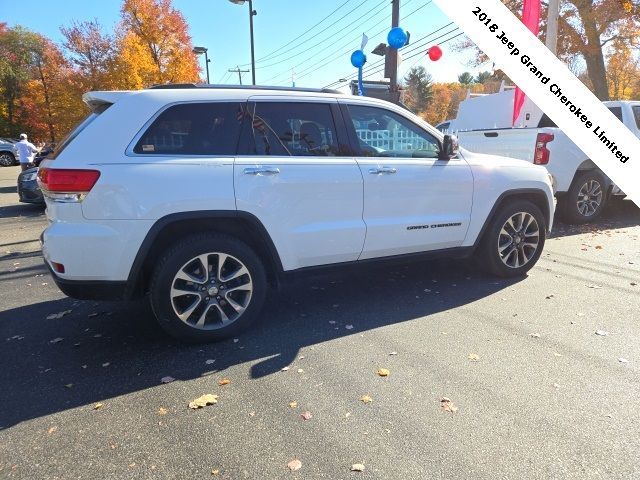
{"points": [[175, 259], [587, 210], [489, 251], [7, 159]]}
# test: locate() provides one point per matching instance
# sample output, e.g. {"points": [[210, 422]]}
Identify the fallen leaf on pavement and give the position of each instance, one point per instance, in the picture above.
{"points": [[366, 399], [306, 415], [215, 471], [162, 411], [474, 357], [602, 333], [98, 406], [357, 467], [598, 247], [294, 465], [167, 379], [383, 372], [203, 401], [224, 381], [447, 405], [52, 429], [293, 404]]}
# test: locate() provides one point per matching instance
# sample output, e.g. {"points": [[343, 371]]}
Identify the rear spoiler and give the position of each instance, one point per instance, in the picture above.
{"points": [[98, 102]]}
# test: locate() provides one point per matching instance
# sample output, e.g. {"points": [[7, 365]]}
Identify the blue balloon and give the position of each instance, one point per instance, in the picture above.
{"points": [[397, 38], [358, 59]]}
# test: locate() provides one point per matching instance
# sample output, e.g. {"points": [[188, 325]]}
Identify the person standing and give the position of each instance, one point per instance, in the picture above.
{"points": [[26, 152]]}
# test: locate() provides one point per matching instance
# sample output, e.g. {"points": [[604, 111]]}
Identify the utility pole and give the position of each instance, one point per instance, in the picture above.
{"points": [[252, 12], [239, 72], [391, 57], [552, 25]]}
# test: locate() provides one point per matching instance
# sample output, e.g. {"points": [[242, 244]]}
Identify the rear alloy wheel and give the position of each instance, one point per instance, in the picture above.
{"points": [[6, 159], [208, 287], [586, 198], [513, 242]]}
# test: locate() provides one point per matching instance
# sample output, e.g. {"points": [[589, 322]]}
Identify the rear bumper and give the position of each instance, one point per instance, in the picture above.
{"points": [[90, 289]]}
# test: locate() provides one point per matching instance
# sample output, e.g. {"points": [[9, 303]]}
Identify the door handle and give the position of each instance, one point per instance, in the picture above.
{"points": [[382, 170], [261, 171]]}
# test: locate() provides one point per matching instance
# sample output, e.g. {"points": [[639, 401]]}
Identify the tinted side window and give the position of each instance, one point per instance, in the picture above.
{"points": [[290, 129], [383, 133], [617, 111], [193, 129], [636, 114], [545, 121]]}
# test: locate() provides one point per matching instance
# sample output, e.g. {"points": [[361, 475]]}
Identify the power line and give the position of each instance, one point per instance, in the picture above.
{"points": [[412, 56], [406, 49], [312, 68], [328, 38], [304, 71], [266, 57]]}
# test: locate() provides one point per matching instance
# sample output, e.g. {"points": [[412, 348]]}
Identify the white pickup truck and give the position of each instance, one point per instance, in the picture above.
{"points": [[581, 187]]}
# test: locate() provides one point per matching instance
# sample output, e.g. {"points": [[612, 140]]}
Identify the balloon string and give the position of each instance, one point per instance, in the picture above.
{"points": [[360, 84]]}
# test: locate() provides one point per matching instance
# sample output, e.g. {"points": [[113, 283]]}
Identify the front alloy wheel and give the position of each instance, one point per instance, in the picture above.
{"points": [[211, 291], [518, 240], [514, 239]]}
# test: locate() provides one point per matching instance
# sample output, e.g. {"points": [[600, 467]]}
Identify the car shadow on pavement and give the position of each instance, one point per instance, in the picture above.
{"points": [[618, 213], [94, 351], [22, 210]]}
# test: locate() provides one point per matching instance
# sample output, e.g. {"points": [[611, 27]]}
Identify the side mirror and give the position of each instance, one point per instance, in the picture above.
{"points": [[450, 148]]}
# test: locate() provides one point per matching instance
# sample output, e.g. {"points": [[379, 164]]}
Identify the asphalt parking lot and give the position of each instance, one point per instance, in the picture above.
{"points": [[534, 391]]}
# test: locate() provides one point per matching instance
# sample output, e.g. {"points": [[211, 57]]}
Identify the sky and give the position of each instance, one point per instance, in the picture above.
{"points": [[289, 40]]}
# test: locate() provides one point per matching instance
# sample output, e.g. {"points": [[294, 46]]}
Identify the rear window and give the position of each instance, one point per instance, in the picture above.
{"points": [[193, 129], [76, 131]]}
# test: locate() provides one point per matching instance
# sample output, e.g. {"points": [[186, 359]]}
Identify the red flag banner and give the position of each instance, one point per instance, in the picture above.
{"points": [[531, 19]]}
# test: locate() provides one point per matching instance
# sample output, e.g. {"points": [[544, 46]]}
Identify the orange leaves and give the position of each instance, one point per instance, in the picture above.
{"points": [[156, 46]]}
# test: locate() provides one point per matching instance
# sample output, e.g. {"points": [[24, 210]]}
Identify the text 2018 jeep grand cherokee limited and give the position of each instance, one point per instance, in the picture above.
{"points": [[202, 197]]}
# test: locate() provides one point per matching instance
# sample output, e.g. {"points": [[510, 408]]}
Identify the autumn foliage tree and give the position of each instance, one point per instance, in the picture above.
{"points": [[155, 46], [41, 83]]}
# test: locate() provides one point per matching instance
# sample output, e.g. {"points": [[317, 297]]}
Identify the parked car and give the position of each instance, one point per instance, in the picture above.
{"points": [[581, 187], [8, 153], [28, 188], [42, 154], [202, 198]]}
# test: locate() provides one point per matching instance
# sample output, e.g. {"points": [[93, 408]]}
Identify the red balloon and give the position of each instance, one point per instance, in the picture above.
{"points": [[435, 53]]}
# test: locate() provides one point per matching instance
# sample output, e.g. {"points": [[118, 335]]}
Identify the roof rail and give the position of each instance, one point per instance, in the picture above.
{"points": [[175, 86]]}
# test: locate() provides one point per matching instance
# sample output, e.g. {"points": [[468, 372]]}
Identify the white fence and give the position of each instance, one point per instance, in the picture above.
{"points": [[395, 139]]}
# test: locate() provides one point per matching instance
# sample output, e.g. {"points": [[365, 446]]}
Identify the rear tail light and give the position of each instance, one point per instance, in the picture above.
{"points": [[541, 155], [67, 185]]}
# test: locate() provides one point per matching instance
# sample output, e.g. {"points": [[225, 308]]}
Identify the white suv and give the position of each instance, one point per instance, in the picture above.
{"points": [[203, 197]]}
